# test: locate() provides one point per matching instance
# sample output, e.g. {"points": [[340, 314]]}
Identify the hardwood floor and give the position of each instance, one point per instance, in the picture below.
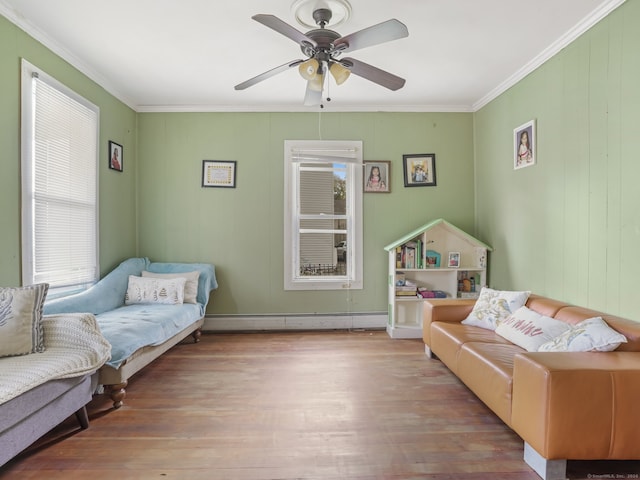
{"points": [[311, 405]]}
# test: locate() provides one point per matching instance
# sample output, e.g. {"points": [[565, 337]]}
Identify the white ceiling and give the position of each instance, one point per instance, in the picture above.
{"points": [[187, 55]]}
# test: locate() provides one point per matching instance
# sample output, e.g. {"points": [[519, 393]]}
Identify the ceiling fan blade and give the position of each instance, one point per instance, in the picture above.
{"points": [[267, 74], [312, 97], [374, 35], [284, 28], [374, 74]]}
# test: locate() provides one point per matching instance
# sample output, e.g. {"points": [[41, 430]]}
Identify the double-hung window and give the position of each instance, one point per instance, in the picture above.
{"points": [[323, 215], [60, 132]]}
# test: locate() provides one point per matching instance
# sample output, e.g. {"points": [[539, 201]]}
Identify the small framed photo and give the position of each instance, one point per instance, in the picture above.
{"points": [[433, 259], [524, 145], [219, 173], [419, 170], [454, 260], [116, 156], [377, 176]]}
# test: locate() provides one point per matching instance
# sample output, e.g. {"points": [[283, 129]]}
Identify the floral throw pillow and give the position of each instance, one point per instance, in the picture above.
{"points": [[590, 335], [493, 306]]}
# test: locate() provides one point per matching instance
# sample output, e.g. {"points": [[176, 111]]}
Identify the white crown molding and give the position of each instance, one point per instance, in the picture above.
{"points": [[553, 49], [328, 108], [24, 24], [545, 55]]}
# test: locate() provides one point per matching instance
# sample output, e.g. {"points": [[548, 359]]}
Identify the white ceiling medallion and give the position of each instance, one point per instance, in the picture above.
{"points": [[303, 12]]}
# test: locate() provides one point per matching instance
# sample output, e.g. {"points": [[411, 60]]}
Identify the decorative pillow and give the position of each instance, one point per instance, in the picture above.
{"points": [[493, 306], [190, 287], [590, 335], [168, 291], [529, 329], [21, 329]]}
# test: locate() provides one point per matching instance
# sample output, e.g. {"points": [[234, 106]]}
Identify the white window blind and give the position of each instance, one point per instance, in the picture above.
{"points": [[59, 183], [323, 221]]}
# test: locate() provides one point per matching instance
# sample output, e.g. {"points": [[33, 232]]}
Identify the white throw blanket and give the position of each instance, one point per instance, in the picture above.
{"points": [[74, 347]]}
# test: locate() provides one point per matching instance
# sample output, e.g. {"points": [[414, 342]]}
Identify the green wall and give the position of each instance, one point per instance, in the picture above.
{"points": [[568, 227], [241, 230], [117, 123], [157, 208]]}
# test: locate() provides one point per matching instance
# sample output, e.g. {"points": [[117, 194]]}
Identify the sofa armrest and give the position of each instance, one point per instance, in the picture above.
{"points": [[107, 294], [443, 310], [577, 405]]}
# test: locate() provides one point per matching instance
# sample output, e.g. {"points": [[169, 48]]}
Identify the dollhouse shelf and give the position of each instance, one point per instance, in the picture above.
{"points": [[440, 260]]}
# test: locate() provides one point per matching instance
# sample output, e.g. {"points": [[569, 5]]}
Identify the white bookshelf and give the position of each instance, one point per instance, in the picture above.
{"points": [[463, 281]]}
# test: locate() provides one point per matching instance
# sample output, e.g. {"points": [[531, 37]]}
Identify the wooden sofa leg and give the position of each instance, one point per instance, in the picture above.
{"points": [[547, 469], [196, 335], [428, 352], [83, 418], [117, 393]]}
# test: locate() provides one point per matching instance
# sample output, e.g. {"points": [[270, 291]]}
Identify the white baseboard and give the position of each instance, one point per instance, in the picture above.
{"points": [[252, 323]]}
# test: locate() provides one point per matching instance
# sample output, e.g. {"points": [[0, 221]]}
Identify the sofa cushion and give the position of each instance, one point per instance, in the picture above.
{"points": [[590, 335], [165, 291], [529, 329], [448, 338], [21, 330], [487, 369], [190, 286], [132, 327], [493, 306]]}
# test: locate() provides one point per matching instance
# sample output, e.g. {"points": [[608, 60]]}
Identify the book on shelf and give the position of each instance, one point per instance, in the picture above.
{"points": [[427, 293], [409, 255], [471, 295], [406, 294], [408, 289]]}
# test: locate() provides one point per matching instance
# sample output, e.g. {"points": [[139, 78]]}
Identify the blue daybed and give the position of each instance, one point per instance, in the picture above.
{"points": [[138, 333]]}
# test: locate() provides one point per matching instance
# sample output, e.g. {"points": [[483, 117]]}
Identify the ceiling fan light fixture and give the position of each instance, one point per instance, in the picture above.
{"points": [[309, 69], [339, 72], [317, 82]]}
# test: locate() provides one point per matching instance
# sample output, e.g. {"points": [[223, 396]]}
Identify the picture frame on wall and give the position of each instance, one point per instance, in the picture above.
{"points": [[116, 156], [219, 173], [419, 170], [377, 176], [454, 260], [524, 145]]}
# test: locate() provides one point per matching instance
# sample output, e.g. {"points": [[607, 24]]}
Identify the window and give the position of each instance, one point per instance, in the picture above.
{"points": [[59, 184], [323, 215]]}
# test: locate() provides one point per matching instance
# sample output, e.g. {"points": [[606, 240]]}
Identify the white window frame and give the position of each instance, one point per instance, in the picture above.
{"points": [[65, 273], [343, 150]]}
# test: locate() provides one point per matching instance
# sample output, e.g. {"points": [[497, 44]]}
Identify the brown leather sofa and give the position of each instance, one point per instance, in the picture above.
{"points": [[564, 405]]}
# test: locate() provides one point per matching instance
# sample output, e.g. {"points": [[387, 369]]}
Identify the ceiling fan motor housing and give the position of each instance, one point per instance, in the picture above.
{"points": [[323, 37]]}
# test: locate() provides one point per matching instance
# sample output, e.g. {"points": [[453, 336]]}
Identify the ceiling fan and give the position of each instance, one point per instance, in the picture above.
{"points": [[323, 47]]}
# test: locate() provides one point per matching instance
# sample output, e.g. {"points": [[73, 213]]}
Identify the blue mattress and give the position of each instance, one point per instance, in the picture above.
{"points": [[132, 327]]}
